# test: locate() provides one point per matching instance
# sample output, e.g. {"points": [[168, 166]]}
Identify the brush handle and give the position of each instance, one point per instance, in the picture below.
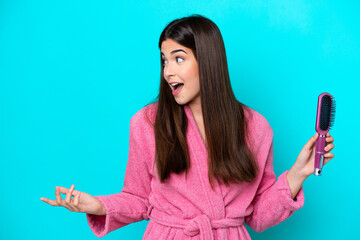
{"points": [[319, 154]]}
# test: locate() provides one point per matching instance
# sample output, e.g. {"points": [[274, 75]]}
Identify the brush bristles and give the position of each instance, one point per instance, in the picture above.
{"points": [[332, 113], [325, 112]]}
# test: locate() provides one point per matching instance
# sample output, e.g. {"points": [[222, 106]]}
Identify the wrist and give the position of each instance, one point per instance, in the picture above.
{"points": [[101, 210], [295, 179], [299, 172]]}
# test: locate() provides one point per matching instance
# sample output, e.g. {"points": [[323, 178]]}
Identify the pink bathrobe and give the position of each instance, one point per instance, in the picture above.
{"points": [[188, 208]]}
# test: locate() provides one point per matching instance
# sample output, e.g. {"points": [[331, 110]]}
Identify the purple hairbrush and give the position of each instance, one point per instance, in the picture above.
{"points": [[325, 118]]}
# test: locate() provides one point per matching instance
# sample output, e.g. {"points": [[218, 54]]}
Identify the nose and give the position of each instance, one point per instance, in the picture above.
{"points": [[168, 71]]}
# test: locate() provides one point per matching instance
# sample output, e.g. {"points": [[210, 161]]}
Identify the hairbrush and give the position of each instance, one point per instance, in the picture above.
{"points": [[325, 118]]}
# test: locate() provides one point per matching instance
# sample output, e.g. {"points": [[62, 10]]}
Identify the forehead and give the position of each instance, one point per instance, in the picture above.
{"points": [[169, 45]]}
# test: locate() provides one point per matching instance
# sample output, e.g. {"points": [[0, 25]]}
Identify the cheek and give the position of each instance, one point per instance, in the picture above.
{"points": [[196, 80], [193, 76]]}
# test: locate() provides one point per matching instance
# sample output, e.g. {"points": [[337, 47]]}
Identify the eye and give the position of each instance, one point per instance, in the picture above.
{"points": [[179, 59], [163, 62]]}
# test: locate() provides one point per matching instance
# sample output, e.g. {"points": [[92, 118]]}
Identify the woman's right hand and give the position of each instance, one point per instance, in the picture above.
{"points": [[81, 201]]}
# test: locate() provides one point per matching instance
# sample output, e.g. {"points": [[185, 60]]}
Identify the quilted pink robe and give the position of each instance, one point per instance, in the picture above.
{"points": [[188, 208]]}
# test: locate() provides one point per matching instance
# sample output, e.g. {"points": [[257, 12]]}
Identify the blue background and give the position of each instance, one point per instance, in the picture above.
{"points": [[72, 73]]}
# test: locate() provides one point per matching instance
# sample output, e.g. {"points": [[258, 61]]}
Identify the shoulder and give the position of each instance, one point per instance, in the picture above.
{"points": [[257, 125], [144, 118]]}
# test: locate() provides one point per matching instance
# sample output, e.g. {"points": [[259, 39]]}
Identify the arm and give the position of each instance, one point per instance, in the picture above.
{"points": [[273, 202], [131, 204], [304, 165], [295, 181]]}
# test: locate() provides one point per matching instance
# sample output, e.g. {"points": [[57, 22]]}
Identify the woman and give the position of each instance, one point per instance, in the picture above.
{"points": [[200, 163]]}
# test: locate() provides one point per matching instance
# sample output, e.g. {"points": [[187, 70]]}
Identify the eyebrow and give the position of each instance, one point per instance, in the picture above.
{"points": [[175, 51]]}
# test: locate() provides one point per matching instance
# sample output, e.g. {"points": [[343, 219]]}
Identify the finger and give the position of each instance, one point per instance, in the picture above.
{"points": [[329, 147], [329, 155], [328, 134], [327, 159], [49, 201], [76, 199], [67, 202], [64, 190], [69, 194], [58, 196], [329, 139], [70, 206], [309, 145]]}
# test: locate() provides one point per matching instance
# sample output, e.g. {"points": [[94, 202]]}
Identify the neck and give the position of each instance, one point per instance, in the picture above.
{"points": [[196, 109]]}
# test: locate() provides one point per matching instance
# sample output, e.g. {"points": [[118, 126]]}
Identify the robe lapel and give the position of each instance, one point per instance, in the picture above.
{"points": [[198, 156]]}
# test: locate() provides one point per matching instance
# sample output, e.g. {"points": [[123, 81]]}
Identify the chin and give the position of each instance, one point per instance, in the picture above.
{"points": [[181, 101]]}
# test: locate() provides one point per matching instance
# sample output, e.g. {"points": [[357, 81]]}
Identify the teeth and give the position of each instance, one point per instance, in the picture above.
{"points": [[174, 84]]}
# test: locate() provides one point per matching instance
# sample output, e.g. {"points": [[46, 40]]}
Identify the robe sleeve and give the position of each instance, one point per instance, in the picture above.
{"points": [[131, 204], [272, 203]]}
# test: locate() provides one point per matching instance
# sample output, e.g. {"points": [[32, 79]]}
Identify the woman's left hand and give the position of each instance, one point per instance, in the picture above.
{"points": [[305, 161]]}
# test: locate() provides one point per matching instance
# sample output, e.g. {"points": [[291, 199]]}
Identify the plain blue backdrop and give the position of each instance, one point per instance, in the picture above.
{"points": [[72, 73]]}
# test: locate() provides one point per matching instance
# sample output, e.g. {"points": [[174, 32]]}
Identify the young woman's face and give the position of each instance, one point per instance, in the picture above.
{"points": [[181, 72]]}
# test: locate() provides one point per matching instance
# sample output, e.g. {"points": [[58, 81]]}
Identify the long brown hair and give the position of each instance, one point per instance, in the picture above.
{"points": [[229, 157]]}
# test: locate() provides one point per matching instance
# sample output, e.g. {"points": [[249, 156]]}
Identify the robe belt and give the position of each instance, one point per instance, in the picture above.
{"points": [[201, 224]]}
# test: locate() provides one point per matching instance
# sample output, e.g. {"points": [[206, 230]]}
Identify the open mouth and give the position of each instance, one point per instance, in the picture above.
{"points": [[176, 87]]}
